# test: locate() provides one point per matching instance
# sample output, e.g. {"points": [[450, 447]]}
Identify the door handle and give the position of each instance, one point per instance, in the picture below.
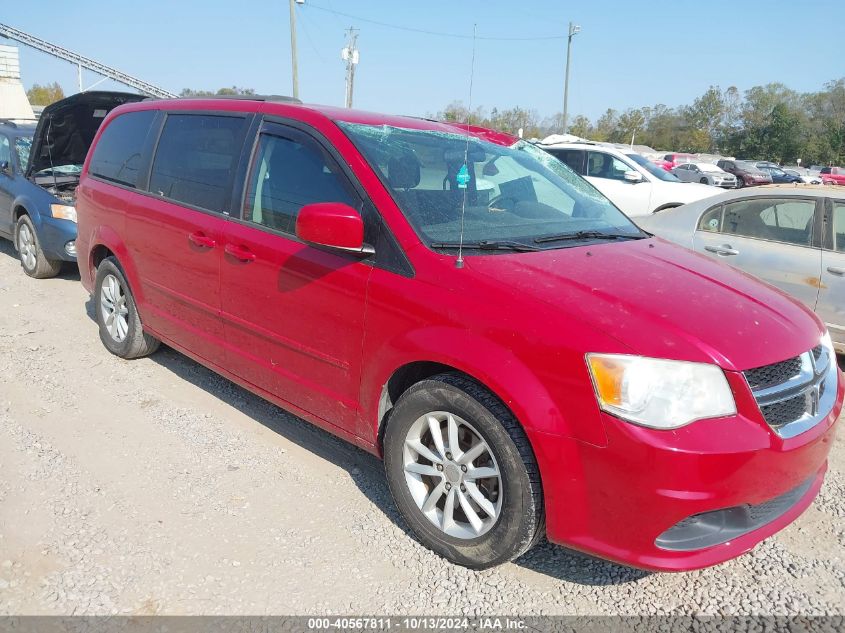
{"points": [[201, 239], [724, 249], [833, 270], [241, 253]]}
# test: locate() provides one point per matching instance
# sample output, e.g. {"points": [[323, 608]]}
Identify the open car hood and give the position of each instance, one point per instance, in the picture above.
{"points": [[66, 128]]}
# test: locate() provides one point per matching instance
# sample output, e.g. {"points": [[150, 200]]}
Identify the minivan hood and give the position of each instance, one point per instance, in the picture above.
{"points": [[66, 128], [661, 300]]}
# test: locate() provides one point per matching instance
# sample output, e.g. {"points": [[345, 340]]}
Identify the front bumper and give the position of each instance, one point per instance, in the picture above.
{"points": [[616, 502], [55, 235]]}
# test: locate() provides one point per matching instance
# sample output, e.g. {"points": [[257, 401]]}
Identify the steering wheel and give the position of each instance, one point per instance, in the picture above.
{"points": [[501, 203]]}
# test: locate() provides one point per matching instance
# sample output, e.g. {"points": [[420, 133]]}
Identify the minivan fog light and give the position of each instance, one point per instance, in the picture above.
{"points": [[657, 393]]}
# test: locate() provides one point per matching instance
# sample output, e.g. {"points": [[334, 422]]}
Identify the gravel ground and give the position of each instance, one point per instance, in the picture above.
{"points": [[156, 487]]}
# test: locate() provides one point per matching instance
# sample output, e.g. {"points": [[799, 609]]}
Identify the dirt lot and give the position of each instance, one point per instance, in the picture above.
{"points": [[154, 486]]}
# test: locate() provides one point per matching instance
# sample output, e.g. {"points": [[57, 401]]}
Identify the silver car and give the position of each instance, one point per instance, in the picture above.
{"points": [[706, 174], [793, 238]]}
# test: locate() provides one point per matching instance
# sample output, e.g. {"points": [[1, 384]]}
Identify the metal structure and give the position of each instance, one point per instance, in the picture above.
{"points": [[293, 60], [574, 29], [350, 56], [84, 62]]}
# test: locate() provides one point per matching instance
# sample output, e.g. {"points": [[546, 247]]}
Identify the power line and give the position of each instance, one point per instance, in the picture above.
{"points": [[398, 27]]}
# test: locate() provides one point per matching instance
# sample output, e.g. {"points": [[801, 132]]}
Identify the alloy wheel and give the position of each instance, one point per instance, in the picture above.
{"points": [[452, 475], [113, 308], [27, 247]]}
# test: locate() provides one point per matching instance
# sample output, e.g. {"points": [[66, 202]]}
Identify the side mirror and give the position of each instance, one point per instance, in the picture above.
{"points": [[5, 168], [332, 225], [633, 177]]}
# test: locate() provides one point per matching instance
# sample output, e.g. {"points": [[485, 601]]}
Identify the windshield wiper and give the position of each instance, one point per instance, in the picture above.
{"points": [[488, 245], [588, 235]]}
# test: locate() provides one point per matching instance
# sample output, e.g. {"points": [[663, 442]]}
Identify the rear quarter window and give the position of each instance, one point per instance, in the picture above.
{"points": [[117, 155]]}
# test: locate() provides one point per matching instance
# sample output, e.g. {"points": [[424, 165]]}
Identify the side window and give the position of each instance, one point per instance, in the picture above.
{"points": [[782, 220], [711, 221], [284, 176], [573, 158], [117, 156], [195, 159], [839, 226], [5, 150], [601, 165]]}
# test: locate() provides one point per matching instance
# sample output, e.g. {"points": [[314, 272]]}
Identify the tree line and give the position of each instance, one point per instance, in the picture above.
{"points": [[771, 122]]}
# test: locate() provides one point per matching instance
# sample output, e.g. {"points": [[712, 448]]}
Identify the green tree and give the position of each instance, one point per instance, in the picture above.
{"points": [[234, 90], [581, 126], [45, 95], [606, 125]]}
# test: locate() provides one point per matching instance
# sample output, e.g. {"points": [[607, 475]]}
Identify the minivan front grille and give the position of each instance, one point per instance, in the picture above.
{"points": [[771, 375], [785, 411], [795, 394]]}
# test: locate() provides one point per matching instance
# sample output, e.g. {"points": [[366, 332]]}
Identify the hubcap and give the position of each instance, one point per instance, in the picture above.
{"points": [[113, 308], [26, 246], [452, 475]]}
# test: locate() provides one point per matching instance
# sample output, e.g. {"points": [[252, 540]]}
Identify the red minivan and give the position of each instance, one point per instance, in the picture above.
{"points": [[525, 359]]}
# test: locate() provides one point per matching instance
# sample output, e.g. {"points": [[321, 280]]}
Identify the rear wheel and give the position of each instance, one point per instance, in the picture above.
{"points": [[462, 472], [120, 324], [33, 260]]}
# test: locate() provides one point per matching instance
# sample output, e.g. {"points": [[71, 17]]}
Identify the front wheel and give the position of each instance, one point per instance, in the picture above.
{"points": [[740, 183], [33, 260], [117, 315], [462, 472], [704, 181]]}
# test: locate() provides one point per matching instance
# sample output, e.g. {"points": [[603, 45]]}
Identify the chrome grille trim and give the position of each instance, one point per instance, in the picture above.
{"points": [[801, 400]]}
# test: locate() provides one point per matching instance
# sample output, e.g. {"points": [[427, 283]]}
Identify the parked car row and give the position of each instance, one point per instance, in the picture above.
{"points": [[747, 173], [526, 359]]}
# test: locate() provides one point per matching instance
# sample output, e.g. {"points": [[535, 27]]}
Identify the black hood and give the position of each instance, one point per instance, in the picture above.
{"points": [[66, 128]]}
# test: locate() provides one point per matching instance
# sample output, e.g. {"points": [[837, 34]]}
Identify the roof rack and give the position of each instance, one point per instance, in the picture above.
{"points": [[269, 98]]}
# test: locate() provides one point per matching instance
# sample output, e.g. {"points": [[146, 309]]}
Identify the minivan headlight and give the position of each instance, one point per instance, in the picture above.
{"points": [[827, 343], [657, 393], [63, 212]]}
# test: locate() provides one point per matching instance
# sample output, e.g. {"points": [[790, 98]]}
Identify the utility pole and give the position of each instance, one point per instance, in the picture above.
{"points": [[295, 73], [350, 56], [574, 29]]}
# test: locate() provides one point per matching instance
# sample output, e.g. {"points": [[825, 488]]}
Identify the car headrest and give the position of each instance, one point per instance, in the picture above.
{"points": [[403, 171]]}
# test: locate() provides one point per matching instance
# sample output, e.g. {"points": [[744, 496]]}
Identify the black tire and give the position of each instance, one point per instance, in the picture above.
{"points": [[32, 258], [740, 183], [704, 181], [521, 520], [134, 342]]}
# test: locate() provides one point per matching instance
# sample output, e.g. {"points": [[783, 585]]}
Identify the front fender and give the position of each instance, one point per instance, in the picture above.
{"points": [[494, 366]]}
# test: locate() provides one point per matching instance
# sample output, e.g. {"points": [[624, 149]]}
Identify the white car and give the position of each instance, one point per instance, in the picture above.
{"points": [[705, 173], [632, 182]]}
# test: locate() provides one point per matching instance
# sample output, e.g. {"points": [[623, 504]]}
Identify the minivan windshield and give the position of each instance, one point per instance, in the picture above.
{"points": [[654, 170], [517, 197]]}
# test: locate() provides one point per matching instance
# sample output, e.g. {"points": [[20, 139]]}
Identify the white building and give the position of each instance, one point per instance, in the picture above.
{"points": [[13, 101]]}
